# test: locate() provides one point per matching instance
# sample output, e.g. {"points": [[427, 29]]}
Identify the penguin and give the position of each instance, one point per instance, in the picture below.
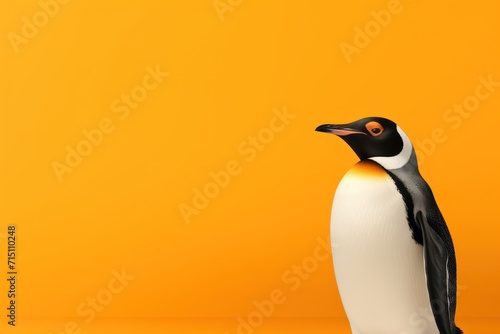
{"points": [[393, 255]]}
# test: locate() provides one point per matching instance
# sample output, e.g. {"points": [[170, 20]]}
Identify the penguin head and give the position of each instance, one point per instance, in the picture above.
{"points": [[375, 138]]}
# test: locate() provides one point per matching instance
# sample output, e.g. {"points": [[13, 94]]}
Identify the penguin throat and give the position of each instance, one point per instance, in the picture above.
{"points": [[399, 160]]}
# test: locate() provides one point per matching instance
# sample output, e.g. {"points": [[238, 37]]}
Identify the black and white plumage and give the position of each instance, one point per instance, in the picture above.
{"points": [[393, 254]]}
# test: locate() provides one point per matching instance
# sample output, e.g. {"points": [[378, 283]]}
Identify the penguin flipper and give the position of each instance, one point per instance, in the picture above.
{"points": [[436, 270]]}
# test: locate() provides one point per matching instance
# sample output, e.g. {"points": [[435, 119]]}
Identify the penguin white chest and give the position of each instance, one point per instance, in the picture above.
{"points": [[378, 266]]}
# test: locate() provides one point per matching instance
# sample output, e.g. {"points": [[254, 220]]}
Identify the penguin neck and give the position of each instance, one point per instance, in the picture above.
{"points": [[411, 165]]}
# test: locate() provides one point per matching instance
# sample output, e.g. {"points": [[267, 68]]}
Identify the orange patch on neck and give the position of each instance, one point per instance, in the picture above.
{"points": [[368, 168]]}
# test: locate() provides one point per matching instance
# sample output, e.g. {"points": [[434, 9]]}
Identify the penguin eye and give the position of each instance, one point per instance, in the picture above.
{"points": [[375, 128]]}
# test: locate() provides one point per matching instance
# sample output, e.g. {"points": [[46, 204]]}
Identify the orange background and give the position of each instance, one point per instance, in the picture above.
{"points": [[120, 207]]}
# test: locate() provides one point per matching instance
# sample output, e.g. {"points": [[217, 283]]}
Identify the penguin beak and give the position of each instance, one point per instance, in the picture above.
{"points": [[338, 129]]}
